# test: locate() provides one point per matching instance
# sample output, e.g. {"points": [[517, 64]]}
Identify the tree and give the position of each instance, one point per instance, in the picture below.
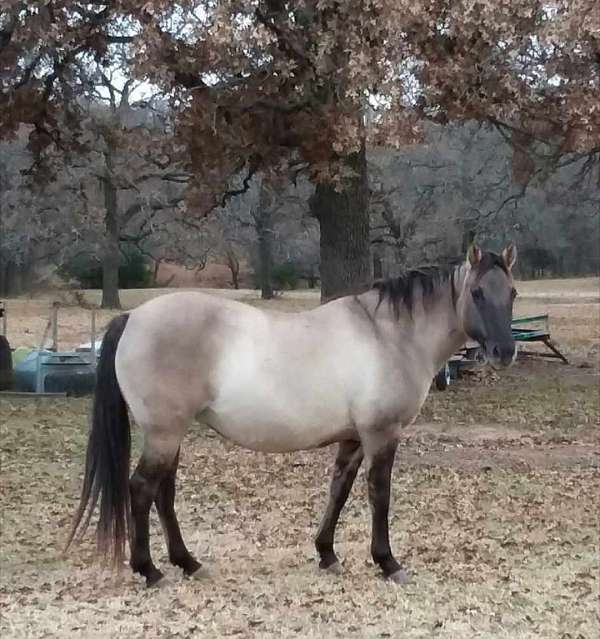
{"points": [[431, 200], [122, 193], [36, 225], [265, 83], [260, 226], [263, 224]]}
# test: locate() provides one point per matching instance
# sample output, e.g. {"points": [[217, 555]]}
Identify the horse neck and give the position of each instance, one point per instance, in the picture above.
{"points": [[434, 328]]}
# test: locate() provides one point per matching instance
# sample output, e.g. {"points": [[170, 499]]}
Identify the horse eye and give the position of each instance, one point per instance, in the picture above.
{"points": [[477, 294], [514, 293]]}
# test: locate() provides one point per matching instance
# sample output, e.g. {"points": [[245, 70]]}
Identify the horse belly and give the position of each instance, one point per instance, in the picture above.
{"points": [[259, 424]]}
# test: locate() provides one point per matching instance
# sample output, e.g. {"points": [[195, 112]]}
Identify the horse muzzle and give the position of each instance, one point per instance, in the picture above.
{"points": [[500, 354]]}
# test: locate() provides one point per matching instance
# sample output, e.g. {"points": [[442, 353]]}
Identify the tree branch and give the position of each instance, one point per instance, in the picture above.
{"points": [[252, 169]]}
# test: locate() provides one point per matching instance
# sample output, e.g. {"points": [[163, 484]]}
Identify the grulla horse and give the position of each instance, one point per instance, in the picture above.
{"points": [[354, 371]]}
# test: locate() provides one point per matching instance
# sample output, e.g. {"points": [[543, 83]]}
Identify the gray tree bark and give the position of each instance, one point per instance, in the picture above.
{"points": [[111, 256], [264, 232], [346, 265]]}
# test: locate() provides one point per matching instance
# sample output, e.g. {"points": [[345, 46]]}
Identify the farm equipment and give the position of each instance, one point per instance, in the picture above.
{"points": [[466, 358], [530, 329], [48, 371], [43, 371], [535, 329]]}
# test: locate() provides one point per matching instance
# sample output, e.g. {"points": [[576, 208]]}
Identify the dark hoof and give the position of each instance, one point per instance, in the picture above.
{"points": [[154, 578], [200, 573], [330, 563], [400, 577], [188, 564], [333, 569]]}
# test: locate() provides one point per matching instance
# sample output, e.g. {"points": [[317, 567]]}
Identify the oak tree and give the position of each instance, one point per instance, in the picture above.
{"points": [[308, 85]]}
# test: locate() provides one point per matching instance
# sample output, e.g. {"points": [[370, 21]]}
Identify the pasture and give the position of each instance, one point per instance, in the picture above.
{"points": [[494, 511]]}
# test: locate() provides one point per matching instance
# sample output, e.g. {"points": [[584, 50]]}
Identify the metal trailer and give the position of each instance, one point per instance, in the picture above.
{"points": [[534, 328]]}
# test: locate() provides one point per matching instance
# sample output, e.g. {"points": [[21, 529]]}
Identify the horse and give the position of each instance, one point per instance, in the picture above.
{"points": [[354, 371]]}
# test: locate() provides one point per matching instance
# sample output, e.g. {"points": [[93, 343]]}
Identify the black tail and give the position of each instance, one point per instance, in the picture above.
{"points": [[106, 474]]}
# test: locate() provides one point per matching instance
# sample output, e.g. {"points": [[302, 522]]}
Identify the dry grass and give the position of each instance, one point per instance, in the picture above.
{"points": [[495, 514], [573, 306], [505, 547], [570, 288]]}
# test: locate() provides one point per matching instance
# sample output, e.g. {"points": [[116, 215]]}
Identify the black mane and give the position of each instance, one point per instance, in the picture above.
{"points": [[401, 291]]}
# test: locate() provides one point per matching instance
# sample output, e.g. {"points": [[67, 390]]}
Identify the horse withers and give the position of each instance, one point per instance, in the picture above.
{"points": [[354, 371]]}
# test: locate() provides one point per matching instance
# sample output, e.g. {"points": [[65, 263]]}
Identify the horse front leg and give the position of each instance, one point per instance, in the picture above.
{"points": [[379, 471], [347, 463]]}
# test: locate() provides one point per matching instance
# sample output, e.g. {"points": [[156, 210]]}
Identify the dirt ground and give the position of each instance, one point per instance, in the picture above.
{"points": [[495, 514]]}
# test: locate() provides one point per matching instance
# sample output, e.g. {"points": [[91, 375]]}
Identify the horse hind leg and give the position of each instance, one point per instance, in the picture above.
{"points": [[347, 463], [159, 454], [179, 555]]}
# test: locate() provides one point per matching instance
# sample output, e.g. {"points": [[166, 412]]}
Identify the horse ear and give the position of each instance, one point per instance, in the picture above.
{"points": [[474, 255], [509, 255]]}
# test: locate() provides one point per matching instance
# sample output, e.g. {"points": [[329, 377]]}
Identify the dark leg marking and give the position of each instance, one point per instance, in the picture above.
{"points": [[143, 487], [347, 463], [378, 477], [165, 505]]}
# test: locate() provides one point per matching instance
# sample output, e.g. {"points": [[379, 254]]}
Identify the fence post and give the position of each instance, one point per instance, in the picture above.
{"points": [[55, 326], [93, 336]]}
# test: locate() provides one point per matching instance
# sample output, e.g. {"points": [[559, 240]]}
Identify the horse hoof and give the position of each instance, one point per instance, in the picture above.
{"points": [[156, 578], [400, 577], [199, 574], [333, 569]]}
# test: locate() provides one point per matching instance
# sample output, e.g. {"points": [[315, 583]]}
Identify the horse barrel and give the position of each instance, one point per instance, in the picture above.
{"points": [[6, 371]]}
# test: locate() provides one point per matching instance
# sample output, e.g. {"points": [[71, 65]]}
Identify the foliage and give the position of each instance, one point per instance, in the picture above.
{"points": [[134, 270], [84, 268], [428, 198], [286, 276], [236, 88], [261, 82]]}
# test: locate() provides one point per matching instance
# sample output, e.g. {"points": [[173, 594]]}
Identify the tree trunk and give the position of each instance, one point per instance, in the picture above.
{"points": [[26, 271], [111, 257], [234, 266], [264, 231], [13, 278], [312, 279], [155, 273], [377, 267], [346, 265], [3, 277]]}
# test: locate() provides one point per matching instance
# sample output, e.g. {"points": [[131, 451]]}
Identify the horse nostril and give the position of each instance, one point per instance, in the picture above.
{"points": [[496, 351]]}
